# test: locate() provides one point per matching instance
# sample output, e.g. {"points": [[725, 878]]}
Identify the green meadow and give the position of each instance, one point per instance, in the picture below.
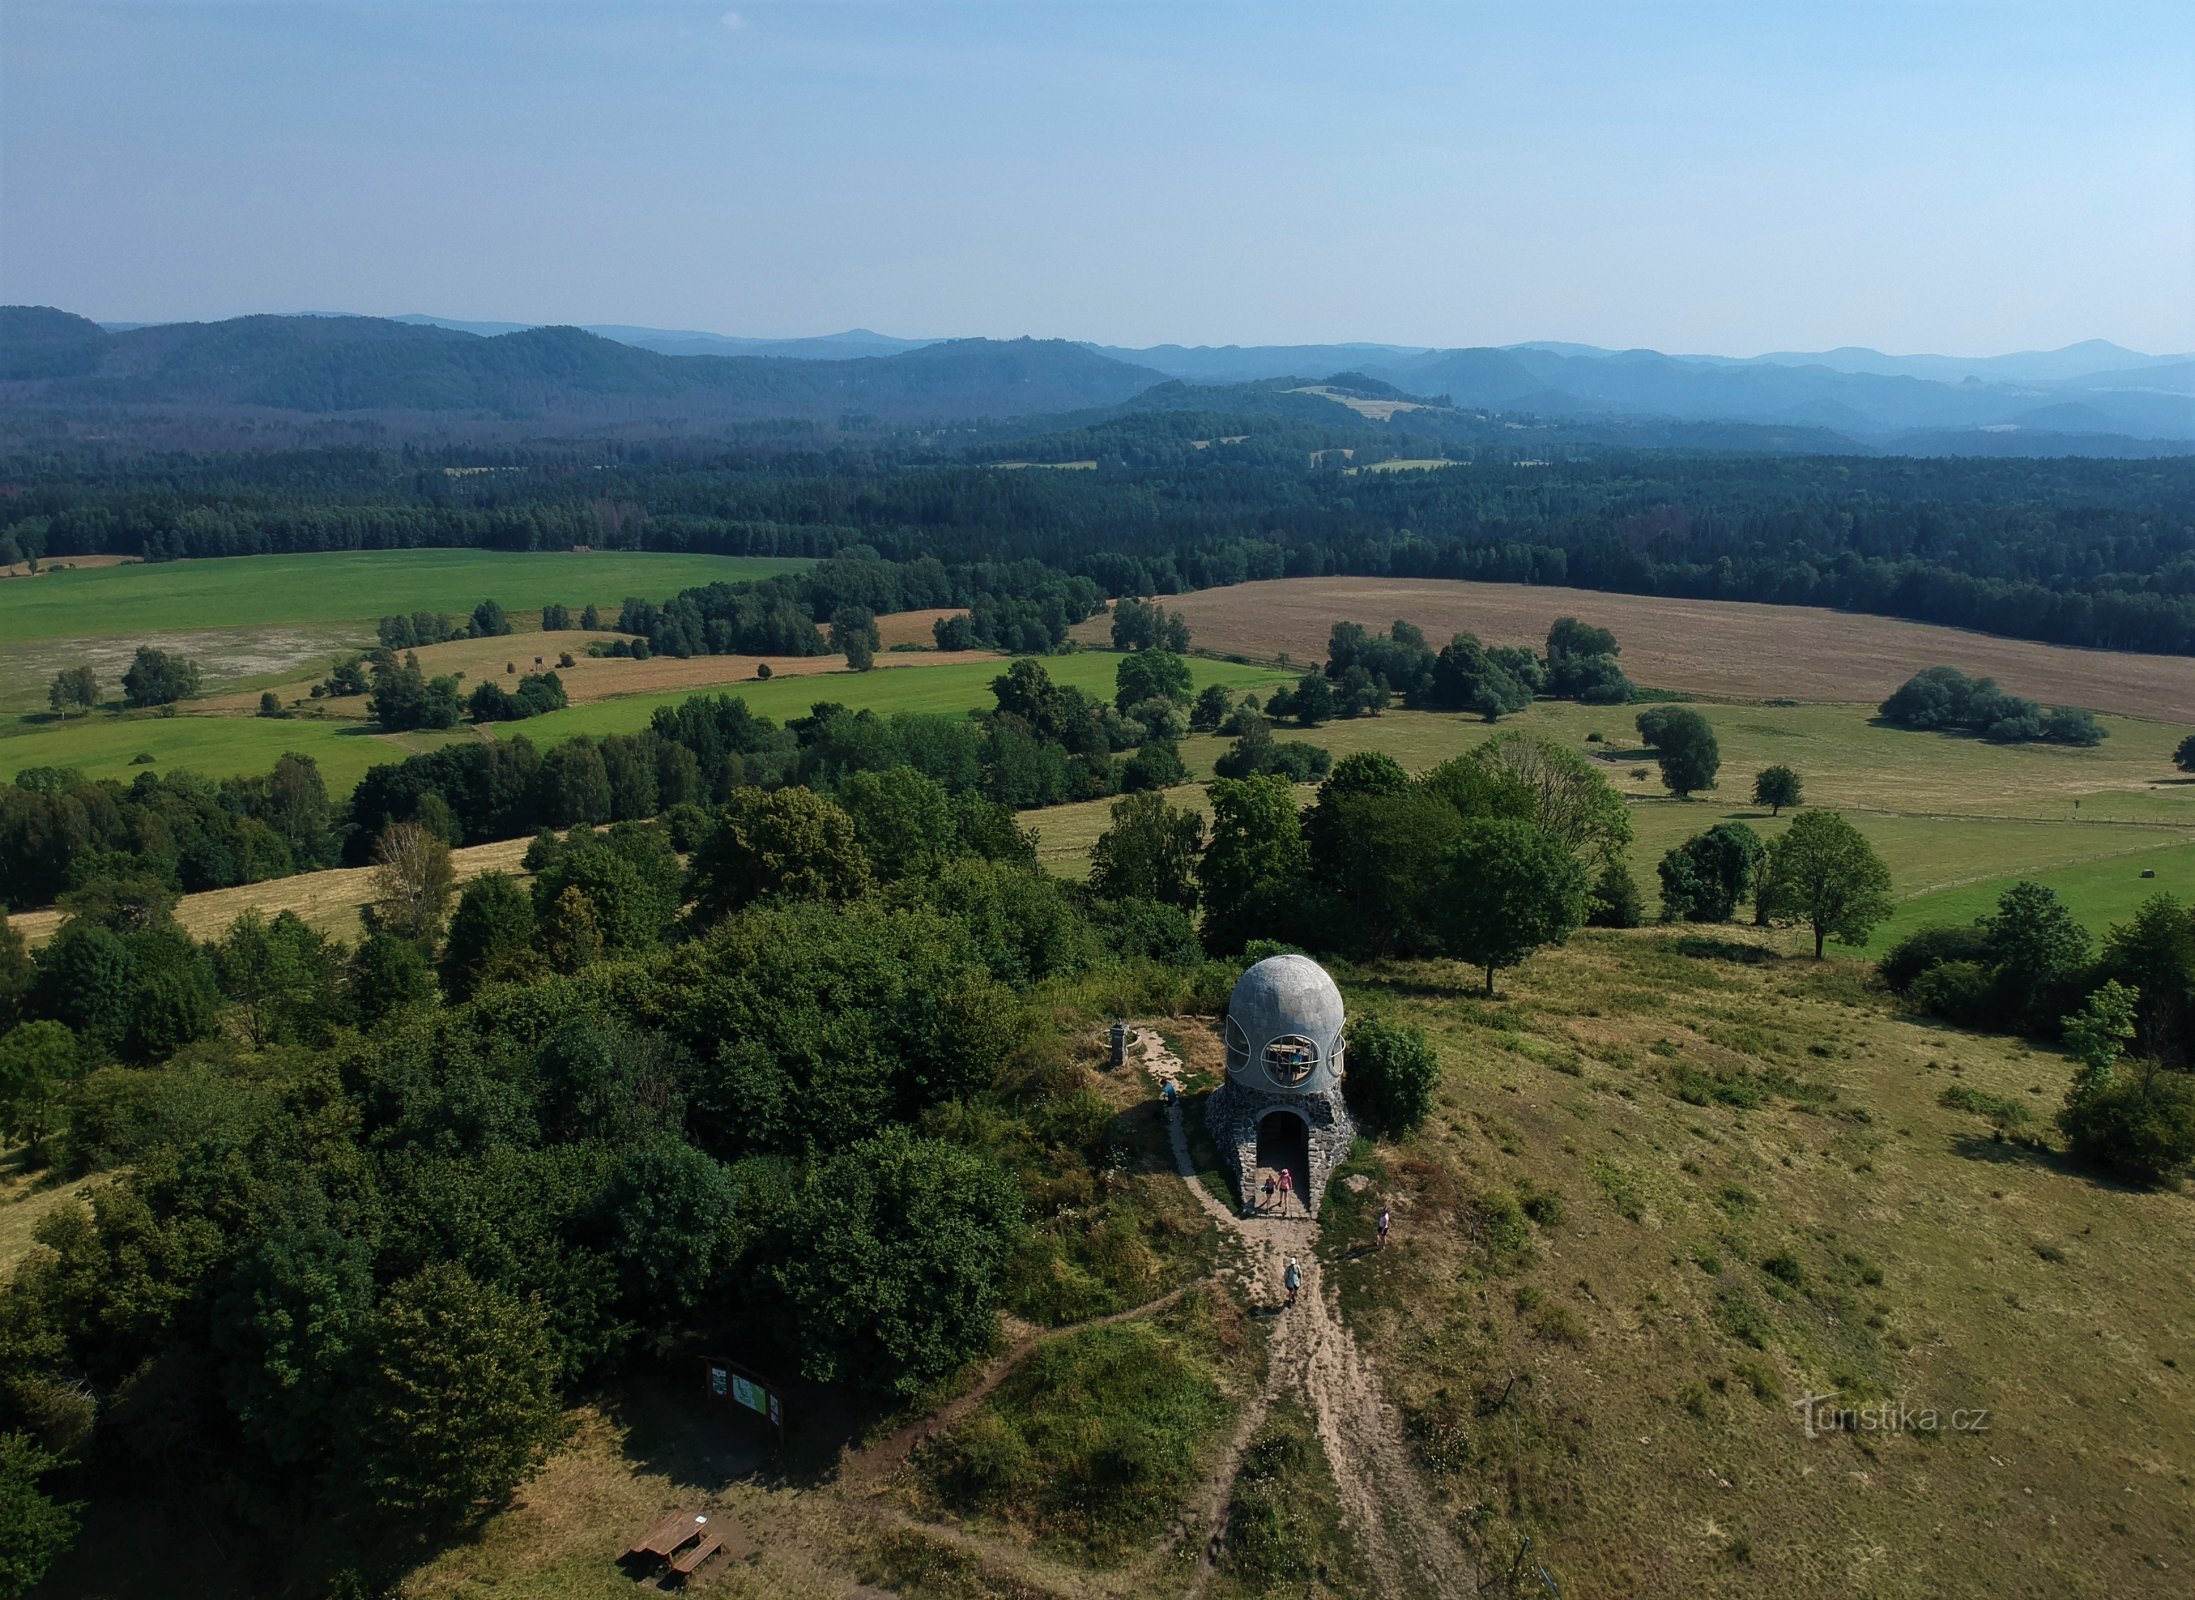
{"points": [[345, 586], [106, 746]]}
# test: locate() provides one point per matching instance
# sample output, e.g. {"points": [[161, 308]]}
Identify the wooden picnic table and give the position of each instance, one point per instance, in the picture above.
{"points": [[703, 1548], [665, 1537]]}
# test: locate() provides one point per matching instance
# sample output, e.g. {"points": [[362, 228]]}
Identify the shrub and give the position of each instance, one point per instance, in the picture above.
{"points": [[1392, 1074], [1929, 948], [2140, 1123], [1963, 992]]}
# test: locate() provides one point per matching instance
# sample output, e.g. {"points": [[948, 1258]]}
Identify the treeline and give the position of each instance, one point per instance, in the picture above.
{"points": [[1044, 744], [2124, 1009], [2098, 553]]}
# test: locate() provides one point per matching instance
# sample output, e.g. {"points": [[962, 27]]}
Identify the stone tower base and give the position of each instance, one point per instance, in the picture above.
{"points": [[1233, 1113]]}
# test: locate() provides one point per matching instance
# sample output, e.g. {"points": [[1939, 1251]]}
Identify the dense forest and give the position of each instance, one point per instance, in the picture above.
{"points": [[2069, 551]]}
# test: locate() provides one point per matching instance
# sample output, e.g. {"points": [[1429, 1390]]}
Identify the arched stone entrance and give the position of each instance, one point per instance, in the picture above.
{"points": [[1284, 1144]]}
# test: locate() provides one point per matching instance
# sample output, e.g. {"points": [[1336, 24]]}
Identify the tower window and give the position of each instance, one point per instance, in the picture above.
{"points": [[1290, 1059]]}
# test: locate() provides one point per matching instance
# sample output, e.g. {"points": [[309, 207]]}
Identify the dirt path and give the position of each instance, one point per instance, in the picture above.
{"points": [[1385, 1504]]}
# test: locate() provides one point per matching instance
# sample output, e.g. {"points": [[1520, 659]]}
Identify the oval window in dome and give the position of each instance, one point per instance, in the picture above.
{"points": [[1290, 1059], [1238, 1046]]}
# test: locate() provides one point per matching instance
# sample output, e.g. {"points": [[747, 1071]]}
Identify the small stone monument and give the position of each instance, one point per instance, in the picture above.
{"points": [[1280, 1106]]}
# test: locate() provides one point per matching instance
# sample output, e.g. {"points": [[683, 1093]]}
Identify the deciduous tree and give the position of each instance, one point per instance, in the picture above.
{"points": [[1824, 875], [1508, 890]]}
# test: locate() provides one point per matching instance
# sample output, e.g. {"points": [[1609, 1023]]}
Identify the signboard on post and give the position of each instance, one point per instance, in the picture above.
{"points": [[735, 1385]]}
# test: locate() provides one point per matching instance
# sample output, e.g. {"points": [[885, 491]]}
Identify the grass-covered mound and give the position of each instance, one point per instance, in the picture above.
{"points": [[1096, 1441]]}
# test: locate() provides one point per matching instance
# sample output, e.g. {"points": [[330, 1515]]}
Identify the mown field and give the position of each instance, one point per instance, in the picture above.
{"points": [[1725, 648], [346, 586]]}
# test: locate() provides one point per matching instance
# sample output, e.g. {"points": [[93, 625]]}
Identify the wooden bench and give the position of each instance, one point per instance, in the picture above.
{"points": [[706, 1546]]}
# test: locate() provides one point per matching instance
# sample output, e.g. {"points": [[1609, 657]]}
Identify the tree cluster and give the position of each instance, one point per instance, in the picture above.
{"points": [[1944, 699]]}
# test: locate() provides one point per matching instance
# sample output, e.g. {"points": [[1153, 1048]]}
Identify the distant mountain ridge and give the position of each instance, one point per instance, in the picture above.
{"points": [[323, 363]]}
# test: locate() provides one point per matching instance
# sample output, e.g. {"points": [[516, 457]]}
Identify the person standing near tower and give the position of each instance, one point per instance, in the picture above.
{"points": [[1287, 1187]]}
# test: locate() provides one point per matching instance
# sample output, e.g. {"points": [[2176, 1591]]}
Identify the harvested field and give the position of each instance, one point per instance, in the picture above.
{"points": [[328, 901], [1726, 648], [23, 569], [1376, 410], [592, 678], [914, 627]]}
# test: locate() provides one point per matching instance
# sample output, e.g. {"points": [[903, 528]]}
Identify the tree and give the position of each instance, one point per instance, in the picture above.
{"points": [[1313, 700], [1151, 675], [75, 689], [87, 979], [156, 678], [389, 975], [1466, 677], [2039, 954], [457, 1403], [1392, 1074], [35, 1530], [1256, 870], [896, 1281], [1213, 702], [489, 936], [1151, 852], [1378, 860], [2134, 1118], [1685, 746], [2155, 953], [854, 635], [2184, 756], [412, 881], [1776, 787], [488, 621], [1825, 875], [956, 632], [671, 1210], [1508, 889], [282, 977], [903, 820], [782, 844], [1703, 879], [270, 704], [38, 1063], [1566, 796]]}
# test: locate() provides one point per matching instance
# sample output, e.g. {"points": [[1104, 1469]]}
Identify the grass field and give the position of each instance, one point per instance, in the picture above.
{"points": [[1745, 1189], [345, 586], [1725, 648]]}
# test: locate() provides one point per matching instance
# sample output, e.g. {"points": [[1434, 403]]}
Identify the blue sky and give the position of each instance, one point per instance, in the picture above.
{"points": [[1959, 177]]}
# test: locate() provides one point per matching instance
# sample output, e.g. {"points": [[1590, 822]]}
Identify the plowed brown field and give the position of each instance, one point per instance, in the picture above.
{"points": [[1729, 648]]}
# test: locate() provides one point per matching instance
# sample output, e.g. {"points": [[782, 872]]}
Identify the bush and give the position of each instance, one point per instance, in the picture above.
{"points": [[1929, 948], [1392, 1074], [1963, 992], [2140, 1123], [1615, 901]]}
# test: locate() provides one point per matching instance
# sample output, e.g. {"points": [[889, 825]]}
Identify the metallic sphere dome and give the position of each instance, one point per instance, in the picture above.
{"points": [[1284, 1026]]}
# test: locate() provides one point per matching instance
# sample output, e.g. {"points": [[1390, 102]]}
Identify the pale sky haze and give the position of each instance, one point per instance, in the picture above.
{"points": [[1967, 176]]}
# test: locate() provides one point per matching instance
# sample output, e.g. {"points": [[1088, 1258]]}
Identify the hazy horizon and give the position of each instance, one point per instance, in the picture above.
{"points": [[1945, 179]]}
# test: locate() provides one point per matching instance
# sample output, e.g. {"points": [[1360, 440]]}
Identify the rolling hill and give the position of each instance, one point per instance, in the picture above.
{"points": [[324, 365]]}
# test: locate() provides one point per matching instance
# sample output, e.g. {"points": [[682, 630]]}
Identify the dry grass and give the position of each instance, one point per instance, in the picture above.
{"points": [[27, 1196], [1649, 1445], [1377, 410], [328, 901], [1728, 648], [592, 678], [22, 569]]}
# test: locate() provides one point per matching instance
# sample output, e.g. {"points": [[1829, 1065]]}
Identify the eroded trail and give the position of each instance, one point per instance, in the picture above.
{"points": [[1313, 1355]]}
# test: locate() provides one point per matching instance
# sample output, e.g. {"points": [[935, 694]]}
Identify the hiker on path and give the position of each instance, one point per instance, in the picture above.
{"points": [[1293, 1278], [1267, 1203], [1383, 1223], [1287, 1187]]}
